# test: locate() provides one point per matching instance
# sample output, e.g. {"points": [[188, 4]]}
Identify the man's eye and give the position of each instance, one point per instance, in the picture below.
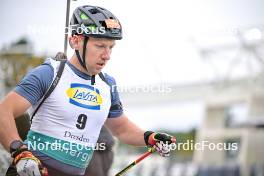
{"points": [[100, 46]]}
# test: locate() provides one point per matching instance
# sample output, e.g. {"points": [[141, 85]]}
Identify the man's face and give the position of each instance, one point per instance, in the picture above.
{"points": [[98, 51]]}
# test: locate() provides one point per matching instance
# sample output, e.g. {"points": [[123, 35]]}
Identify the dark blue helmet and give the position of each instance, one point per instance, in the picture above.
{"points": [[95, 22]]}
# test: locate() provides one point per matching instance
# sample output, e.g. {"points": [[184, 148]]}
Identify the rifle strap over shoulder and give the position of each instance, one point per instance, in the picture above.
{"points": [[51, 88]]}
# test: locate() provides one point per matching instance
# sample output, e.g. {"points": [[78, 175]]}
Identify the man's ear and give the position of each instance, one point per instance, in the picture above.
{"points": [[76, 42]]}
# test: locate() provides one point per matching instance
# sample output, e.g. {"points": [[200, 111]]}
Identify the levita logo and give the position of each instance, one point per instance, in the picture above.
{"points": [[84, 96]]}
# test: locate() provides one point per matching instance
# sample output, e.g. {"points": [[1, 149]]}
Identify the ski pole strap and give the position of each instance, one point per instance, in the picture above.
{"points": [[51, 88]]}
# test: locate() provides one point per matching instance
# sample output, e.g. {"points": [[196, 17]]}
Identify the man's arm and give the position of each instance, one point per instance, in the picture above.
{"points": [[129, 133], [125, 130], [12, 106], [28, 92]]}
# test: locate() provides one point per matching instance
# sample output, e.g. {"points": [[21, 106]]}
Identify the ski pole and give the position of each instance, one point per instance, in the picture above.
{"points": [[68, 7], [150, 151], [66, 26]]}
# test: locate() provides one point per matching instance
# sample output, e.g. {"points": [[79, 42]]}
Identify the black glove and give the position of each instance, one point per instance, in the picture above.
{"points": [[160, 141]]}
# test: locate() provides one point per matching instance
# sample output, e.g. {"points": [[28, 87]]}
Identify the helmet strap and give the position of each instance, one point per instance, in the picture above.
{"points": [[82, 59], [84, 50], [79, 59]]}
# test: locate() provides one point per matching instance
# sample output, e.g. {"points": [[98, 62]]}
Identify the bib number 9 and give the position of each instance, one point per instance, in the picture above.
{"points": [[81, 121]]}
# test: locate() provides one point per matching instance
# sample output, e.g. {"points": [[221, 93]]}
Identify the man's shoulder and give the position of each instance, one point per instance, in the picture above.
{"points": [[51, 62], [45, 67], [110, 79], [36, 82], [49, 66]]}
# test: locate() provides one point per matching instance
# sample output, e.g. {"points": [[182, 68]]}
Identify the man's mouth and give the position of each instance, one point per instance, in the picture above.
{"points": [[100, 65]]}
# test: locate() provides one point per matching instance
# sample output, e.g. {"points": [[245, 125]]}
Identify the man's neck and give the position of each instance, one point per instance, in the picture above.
{"points": [[74, 61]]}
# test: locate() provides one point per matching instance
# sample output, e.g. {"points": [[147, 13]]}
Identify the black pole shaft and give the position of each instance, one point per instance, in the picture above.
{"points": [[126, 169], [66, 26]]}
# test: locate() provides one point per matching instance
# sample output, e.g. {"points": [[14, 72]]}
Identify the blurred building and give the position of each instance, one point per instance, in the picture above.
{"points": [[234, 113], [234, 120], [22, 46]]}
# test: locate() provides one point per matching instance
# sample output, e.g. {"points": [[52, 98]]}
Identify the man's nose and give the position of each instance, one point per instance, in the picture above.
{"points": [[107, 53]]}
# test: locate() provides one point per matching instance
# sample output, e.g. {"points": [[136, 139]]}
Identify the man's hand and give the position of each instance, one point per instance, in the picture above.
{"points": [[160, 141], [28, 165]]}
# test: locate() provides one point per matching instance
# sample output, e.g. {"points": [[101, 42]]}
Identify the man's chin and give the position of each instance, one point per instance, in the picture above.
{"points": [[96, 72]]}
